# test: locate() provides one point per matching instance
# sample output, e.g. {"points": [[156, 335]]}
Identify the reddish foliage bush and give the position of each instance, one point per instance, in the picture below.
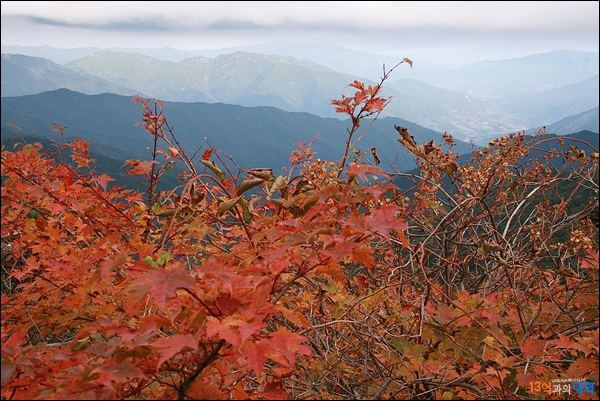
{"points": [[328, 283]]}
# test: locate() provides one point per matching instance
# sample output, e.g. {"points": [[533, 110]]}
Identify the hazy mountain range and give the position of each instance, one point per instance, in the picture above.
{"points": [[353, 62], [24, 75], [587, 121], [473, 101], [536, 73]]}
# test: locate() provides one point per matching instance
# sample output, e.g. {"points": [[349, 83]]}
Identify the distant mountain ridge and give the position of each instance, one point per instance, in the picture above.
{"points": [[353, 62], [537, 108], [531, 74], [240, 78], [252, 79], [54, 54], [444, 110], [24, 75], [586, 121]]}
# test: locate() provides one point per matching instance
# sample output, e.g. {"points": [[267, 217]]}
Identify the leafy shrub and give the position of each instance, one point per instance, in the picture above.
{"points": [[326, 283]]}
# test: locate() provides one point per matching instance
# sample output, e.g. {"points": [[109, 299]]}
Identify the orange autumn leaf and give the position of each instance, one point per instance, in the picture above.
{"points": [[533, 347]]}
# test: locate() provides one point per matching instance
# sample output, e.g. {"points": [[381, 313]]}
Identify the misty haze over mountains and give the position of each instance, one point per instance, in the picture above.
{"points": [[475, 101]]}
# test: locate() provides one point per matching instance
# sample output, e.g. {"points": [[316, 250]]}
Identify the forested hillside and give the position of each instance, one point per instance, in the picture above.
{"points": [[252, 135]]}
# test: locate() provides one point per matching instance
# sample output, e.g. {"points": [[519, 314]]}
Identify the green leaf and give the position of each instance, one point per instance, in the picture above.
{"points": [[164, 258], [247, 215]]}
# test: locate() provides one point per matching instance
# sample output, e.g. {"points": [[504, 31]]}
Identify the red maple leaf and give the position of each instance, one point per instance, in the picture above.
{"points": [[378, 103], [111, 373], [384, 219], [139, 167], [255, 352], [361, 171], [288, 344], [219, 271], [103, 180], [532, 347], [363, 254], [562, 341], [273, 391], [174, 345], [162, 284], [206, 155]]}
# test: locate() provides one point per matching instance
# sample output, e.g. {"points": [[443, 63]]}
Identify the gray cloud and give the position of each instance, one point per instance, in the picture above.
{"points": [[233, 24], [381, 26], [124, 26], [358, 14]]}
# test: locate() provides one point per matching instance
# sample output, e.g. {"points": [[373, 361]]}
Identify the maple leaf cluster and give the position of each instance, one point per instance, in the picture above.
{"points": [[328, 282]]}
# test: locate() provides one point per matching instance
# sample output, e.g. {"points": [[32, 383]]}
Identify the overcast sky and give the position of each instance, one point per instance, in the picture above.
{"points": [[393, 28]]}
